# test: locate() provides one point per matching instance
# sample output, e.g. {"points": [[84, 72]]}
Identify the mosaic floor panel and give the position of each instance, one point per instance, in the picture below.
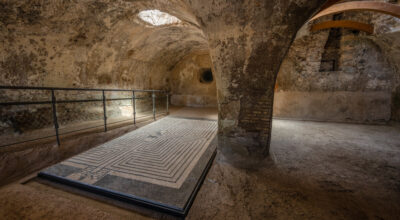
{"points": [[162, 163]]}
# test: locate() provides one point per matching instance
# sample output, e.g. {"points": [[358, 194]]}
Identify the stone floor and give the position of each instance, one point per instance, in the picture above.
{"points": [[315, 171]]}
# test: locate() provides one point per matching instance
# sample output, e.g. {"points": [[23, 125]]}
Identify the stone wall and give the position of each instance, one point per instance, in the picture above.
{"points": [[86, 44], [356, 74], [90, 44], [336, 75], [187, 87], [387, 36], [351, 72]]}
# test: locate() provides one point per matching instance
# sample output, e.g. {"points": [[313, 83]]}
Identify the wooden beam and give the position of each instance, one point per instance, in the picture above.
{"points": [[382, 7], [344, 24]]}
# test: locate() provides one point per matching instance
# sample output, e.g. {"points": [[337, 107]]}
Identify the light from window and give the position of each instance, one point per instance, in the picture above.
{"points": [[157, 18]]}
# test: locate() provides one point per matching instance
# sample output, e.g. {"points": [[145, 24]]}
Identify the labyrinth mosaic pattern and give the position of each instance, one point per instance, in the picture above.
{"points": [[168, 156]]}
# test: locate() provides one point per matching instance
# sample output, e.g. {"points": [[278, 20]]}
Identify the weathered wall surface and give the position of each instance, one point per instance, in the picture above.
{"points": [[390, 43], [387, 36], [336, 75], [90, 44], [186, 86], [358, 90], [86, 44]]}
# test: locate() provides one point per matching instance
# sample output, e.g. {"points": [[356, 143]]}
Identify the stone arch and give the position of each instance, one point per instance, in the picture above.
{"points": [[248, 41]]}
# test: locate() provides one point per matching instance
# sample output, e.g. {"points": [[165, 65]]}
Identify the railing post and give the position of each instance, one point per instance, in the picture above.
{"points": [[167, 103], [104, 112], [55, 121], [134, 106], [154, 105]]}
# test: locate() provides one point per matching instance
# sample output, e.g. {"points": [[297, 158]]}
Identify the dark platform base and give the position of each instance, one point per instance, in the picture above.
{"points": [[160, 166], [153, 205]]}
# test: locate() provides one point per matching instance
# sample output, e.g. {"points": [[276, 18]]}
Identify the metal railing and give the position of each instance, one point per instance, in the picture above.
{"points": [[54, 101]]}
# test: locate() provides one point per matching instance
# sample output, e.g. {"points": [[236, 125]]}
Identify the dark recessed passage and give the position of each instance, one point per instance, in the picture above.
{"points": [[206, 76]]}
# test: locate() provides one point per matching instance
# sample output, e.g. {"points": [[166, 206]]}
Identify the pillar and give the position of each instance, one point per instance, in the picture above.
{"points": [[248, 41]]}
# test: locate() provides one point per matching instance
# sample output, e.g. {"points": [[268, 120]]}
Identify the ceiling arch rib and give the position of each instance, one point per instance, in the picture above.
{"points": [[344, 24], [381, 7]]}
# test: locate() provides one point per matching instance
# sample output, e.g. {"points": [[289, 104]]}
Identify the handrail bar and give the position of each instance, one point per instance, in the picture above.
{"points": [[54, 101], [78, 89], [67, 101]]}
